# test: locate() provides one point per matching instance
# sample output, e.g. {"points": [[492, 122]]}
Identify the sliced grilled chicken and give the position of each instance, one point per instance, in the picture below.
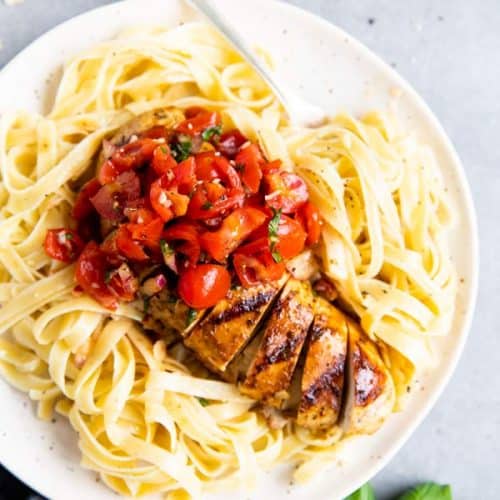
{"points": [[231, 324], [170, 317], [238, 368], [271, 371], [370, 394], [166, 117], [323, 377]]}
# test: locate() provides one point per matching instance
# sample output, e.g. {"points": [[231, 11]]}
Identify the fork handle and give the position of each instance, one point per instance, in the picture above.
{"points": [[232, 36]]}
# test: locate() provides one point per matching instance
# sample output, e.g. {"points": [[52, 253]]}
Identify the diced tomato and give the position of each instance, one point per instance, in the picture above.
{"points": [[148, 233], [214, 191], [273, 270], [91, 275], [132, 155], [163, 161], [257, 201], [111, 199], [123, 283], [252, 270], [185, 236], [211, 200], [63, 244], [139, 214], [249, 160], [248, 269], [259, 244], [205, 166], [110, 249], [310, 219], [228, 173], [107, 172], [209, 167], [167, 202], [180, 202], [83, 206], [264, 268], [272, 167], [192, 111], [199, 122], [127, 246], [235, 228], [230, 143], [285, 191], [290, 239], [156, 132], [204, 285], [185, 175]]}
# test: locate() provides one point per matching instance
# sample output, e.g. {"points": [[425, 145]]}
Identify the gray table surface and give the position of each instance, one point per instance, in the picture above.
{"points": [[449, 50]]}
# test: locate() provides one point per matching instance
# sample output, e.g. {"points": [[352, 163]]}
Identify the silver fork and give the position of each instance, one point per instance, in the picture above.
{"points": [[299, 111]]}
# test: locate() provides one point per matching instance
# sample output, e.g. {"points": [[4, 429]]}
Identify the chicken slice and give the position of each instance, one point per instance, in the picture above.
{"points": [[323, 377], [271, 371], [370, 395], [231, 324], [238, 368], [169, 317]]}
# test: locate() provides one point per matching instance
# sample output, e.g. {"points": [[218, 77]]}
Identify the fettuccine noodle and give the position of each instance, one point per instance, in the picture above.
{"points": [[140, 414]]}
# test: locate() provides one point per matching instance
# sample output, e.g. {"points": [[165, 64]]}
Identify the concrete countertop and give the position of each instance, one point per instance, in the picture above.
{"points": [[449, 50]]}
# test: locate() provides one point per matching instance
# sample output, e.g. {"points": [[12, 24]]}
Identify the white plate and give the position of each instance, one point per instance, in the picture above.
{"points": [[335, 71]]}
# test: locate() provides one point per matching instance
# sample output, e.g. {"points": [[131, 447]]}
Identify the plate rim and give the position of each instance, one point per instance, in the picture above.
{"points": [[469, 210]]}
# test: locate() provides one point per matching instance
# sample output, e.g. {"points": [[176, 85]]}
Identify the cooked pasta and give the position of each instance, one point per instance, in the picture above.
{"points": [[141, 415]]}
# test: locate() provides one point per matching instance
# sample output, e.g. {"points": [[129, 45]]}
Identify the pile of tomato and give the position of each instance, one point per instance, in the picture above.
{"points": [[203, 204]]}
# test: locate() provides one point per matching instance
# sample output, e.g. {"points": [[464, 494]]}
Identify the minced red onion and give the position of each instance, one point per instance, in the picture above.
{"points": [[154, 285]]}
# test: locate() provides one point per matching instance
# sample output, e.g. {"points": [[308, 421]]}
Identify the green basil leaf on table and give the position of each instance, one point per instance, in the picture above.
{"points": [[428, 491], [364, 493]]}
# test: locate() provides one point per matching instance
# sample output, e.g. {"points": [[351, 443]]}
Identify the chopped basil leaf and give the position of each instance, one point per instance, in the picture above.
{"points": [[273, 228], [211, 132], [425, 491], [146, 304], [191, 316], [164, 150], [276, 255], [274, 225], [108, 276], [181, 150], [68, 236], [203, 401], [240, 167], [364, 493], [166, 249], [207, 205]]}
